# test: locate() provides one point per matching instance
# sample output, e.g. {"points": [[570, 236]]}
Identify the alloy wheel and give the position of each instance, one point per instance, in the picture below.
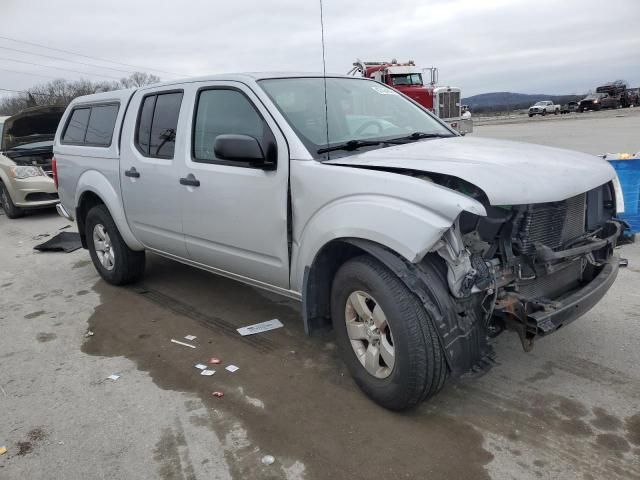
{"points": [[103, 247], [370, 334]]}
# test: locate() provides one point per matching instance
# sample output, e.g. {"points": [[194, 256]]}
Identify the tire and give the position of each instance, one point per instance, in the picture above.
{"points": [[419, 369], [122, 265], [544, 112], [556, 112], [530, 115], [7, 204]]}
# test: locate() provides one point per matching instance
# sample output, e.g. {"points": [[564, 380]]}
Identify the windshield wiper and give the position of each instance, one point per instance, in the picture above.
{"points": [[351, 145], [417, 136]]}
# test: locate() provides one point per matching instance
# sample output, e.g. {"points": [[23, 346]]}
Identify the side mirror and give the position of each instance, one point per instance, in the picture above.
{"points": [[239, 148]]}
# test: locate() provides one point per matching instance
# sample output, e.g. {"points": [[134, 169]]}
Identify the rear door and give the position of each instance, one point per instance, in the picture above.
{"points": [[235, 221], [149, 170]]}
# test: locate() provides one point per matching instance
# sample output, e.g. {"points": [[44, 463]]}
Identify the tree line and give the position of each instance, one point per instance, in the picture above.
{"points": [[61, 92]]}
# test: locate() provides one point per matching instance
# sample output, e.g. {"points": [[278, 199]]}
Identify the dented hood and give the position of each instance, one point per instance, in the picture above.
{"points": [[510, 173]]}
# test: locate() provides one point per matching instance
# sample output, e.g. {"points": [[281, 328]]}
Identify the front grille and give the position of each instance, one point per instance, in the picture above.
{"points": [[552, 224], [449, 103]]}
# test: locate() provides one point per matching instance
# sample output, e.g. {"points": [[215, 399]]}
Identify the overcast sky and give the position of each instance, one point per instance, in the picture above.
{"points": [[528, 46]]}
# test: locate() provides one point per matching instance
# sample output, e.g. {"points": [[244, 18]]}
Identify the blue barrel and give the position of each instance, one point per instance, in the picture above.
{"points": [[629, 174]]}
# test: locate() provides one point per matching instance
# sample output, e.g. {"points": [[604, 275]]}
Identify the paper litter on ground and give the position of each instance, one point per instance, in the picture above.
{"points": [[207, 373], [232, 368], [182, 343], [260, 327], [113, 377], [3, 450], [201, 366], [190, 337]]}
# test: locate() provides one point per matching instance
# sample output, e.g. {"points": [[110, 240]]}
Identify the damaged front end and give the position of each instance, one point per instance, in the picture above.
{"points": [[530, 268]]}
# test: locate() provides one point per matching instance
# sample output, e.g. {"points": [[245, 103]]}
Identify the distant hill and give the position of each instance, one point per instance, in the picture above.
{"points": [[500, 101]]}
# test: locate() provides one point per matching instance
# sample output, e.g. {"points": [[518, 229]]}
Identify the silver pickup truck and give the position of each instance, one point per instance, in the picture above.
{"points": [[416, 244]]}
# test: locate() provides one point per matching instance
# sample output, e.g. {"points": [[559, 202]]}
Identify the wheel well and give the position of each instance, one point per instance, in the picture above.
{"points": [[88, 200], [318, 278]]}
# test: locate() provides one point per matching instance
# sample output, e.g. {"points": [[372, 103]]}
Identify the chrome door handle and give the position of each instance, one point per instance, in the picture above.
{"points": [[132, 172], [190, 181]]}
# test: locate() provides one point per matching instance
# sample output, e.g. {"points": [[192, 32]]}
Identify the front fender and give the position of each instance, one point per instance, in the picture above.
{"points": [[407, 228], [95, 182]]}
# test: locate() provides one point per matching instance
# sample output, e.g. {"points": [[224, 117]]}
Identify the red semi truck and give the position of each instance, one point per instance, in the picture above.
{"points": [[407, 78]]}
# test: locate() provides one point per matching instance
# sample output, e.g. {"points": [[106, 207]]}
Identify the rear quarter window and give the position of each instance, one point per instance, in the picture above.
{"points": [[76, 126], [91, 125]]}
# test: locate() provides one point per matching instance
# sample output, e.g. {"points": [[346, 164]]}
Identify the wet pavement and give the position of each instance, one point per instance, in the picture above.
{"points": [[569, 409]]}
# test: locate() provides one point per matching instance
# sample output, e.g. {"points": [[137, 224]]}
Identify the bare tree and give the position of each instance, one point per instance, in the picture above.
{"points": [[61, 92], [139, 79]]}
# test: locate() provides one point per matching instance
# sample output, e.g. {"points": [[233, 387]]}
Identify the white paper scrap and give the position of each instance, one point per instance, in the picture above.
{"points": [[182, 343], [208, 373], [113, 377], [232, 368], [260, 327], [201, 366], [190, 337]]}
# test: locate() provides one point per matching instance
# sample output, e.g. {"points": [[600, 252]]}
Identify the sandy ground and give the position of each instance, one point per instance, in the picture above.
{"points": [[569, 409]]}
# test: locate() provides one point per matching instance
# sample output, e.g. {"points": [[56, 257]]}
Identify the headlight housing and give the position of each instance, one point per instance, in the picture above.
{"points": [[26, 171]]}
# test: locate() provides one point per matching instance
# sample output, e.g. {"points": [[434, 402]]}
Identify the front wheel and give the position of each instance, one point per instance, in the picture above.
{"points": [[115, 261], [7, 204], [385, 335], [544, 112]]}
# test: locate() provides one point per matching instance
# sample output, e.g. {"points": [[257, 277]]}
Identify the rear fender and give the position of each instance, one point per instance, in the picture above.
{"points": [[96, 183]]}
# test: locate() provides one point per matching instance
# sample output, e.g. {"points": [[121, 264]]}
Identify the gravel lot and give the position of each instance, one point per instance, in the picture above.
{"points": [[569, 409]]}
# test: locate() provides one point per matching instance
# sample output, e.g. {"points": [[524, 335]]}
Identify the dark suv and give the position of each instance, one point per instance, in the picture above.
{"points": [[597, 101]]}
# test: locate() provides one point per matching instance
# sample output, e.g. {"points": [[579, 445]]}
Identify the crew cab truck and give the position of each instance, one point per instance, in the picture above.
{"points": [[544, 107], [416, 244]]}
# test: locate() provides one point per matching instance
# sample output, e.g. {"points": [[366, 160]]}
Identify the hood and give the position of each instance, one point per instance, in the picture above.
{"points": [[32, 125], [509, 173]]}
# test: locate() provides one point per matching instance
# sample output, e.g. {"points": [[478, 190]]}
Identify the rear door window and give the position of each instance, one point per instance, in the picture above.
{"points": [[101, 124], [77, 126], [158, 123]]}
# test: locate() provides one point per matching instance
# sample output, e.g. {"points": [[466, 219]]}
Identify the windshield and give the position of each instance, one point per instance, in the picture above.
{"points": [[540, 103], [407, 79], [357, 109]]}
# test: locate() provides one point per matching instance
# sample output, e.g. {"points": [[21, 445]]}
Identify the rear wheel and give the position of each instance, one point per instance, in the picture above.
{"points": [[115, 261], [7, 204], [386, 337]]}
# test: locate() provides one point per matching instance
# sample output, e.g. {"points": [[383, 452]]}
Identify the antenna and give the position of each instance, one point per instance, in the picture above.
{"points": [[324, 77]]}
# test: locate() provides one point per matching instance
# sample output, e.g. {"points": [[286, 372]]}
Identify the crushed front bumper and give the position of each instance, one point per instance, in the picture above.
{"points": [[577, 303]]}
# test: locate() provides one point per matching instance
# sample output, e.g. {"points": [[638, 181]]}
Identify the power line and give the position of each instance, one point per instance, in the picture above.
{"points": [[27, 73], [30, 93], [65, 60], [59, 68], [88, 56]]}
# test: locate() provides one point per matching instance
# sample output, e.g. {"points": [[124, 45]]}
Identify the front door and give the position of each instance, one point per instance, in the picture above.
{"points": [[235, 219], [149, 172]]}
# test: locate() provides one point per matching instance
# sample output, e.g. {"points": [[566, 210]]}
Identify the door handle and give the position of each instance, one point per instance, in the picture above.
{"points": [[190, 181], [132, 172]]}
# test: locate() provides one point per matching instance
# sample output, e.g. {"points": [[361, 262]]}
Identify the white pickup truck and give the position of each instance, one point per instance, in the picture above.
{"points": [[417, 244], [544, 107]]}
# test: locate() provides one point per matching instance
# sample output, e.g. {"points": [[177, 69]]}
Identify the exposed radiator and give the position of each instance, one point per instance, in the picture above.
{"points": [[552, 224]]}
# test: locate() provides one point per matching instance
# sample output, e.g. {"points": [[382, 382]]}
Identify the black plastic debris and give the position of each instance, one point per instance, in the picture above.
{"points": [[63, 242]]}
